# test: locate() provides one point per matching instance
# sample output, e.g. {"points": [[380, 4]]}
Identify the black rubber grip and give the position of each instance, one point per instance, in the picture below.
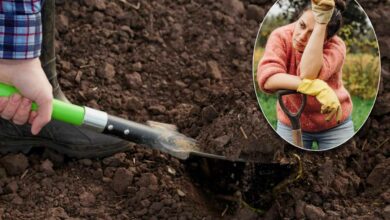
{"points": [[294, 117]]}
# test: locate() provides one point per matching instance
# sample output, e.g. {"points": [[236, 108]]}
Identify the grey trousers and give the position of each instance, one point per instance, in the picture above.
{"points": [[326, 140]]}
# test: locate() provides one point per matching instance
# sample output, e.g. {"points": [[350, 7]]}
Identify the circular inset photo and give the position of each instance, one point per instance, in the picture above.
{"points": [[316, 68]]}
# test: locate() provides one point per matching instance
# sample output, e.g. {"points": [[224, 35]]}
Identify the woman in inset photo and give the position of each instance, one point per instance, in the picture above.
{"points": [[307, 57]]}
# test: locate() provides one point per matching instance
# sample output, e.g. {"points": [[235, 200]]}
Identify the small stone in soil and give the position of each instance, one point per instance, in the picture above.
{"points": [[254, 12], [147, 179], [156, 206], [137, 67], [171, 170], [62, 23], [107, 72], [213, 69], [17, 200], [376, 176], [87, 199], [299, 209], [332, 214], [100, 5], [66, 66], [57, 212], [386, 212], [386, 196], [47, 167], [11, 187], [15, 164], [157, 109], [109, 172], [123, 178], [115, 160], [209, 113], [221, 141], [85, 162], [145, 203], [313, 212], [134, 103], [181, 193], [233, 7], [133, 80]]}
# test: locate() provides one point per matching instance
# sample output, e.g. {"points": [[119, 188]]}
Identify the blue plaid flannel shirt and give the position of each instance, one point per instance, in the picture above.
{"points": [[20, 29]]}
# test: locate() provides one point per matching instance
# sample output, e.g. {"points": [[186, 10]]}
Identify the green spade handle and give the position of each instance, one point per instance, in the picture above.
{"points": [[62, 111]]}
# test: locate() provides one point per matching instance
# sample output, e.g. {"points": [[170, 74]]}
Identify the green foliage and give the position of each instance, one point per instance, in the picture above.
{"points": [[361, 110], [361, 75], [357, 41], [268, 106], [270, 23], [315, 146]]}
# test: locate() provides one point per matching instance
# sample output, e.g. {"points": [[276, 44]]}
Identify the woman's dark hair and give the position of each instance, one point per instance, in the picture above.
{"points": [[336, 21]]}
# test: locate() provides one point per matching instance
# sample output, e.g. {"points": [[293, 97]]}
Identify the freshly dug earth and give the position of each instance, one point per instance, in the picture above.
{"points": [[189, 63]]}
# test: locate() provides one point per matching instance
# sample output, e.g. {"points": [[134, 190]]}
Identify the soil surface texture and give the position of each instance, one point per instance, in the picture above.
{"points": [[189, 63]]}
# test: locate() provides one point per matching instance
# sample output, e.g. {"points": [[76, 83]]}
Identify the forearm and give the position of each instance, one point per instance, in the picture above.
{"points": [[312, 58], [11, 69], [5, 77], [282, 81]]}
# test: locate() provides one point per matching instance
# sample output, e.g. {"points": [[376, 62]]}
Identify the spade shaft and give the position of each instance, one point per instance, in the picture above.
{"points": [[166, 140]]}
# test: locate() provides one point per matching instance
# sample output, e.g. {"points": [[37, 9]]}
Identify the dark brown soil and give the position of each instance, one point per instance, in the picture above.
{"points": [[189, 63]]}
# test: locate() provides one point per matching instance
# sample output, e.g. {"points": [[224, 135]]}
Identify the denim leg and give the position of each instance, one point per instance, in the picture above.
{"points": [[335, 136], [286, 133], [308, 140], [326, 140]]}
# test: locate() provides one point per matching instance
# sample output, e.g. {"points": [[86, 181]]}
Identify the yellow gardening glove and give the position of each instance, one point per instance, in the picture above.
{"points": [[323, 10], [330, 104]]}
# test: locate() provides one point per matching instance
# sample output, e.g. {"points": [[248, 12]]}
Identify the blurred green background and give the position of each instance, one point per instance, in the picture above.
{"points": [[362, 65]]}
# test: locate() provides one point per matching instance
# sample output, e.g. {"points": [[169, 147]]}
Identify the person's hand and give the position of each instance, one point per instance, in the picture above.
{"points": [[29, 78], [322, 10], [330, 104]]}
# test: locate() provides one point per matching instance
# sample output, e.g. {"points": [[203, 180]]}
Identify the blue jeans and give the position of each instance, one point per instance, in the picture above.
{"points": [[326, 139]]}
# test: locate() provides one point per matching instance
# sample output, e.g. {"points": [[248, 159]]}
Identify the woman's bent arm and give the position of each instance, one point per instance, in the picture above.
{"points": [[312, 57], [282, 81]]}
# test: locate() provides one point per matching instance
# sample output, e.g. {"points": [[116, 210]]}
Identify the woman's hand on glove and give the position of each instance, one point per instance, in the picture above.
{"points": [[330, 104], [323, 10]]}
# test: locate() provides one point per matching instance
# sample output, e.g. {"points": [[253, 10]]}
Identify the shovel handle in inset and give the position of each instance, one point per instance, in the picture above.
{"points": [[297, 137], [294, 117]]}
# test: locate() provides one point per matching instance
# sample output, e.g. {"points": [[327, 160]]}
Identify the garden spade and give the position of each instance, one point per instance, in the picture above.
{"points": [[294, 117], [208, 167], [154, 134]]}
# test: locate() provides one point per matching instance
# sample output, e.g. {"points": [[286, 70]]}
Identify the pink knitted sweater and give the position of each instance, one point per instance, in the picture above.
{"points": [[281, 57]]}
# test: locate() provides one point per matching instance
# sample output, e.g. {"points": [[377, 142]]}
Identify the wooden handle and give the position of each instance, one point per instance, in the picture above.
{"points": [[297, 137]]}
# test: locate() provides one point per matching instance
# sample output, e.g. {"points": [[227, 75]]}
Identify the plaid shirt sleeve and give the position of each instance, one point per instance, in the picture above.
{"points": [[20, 29]]}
